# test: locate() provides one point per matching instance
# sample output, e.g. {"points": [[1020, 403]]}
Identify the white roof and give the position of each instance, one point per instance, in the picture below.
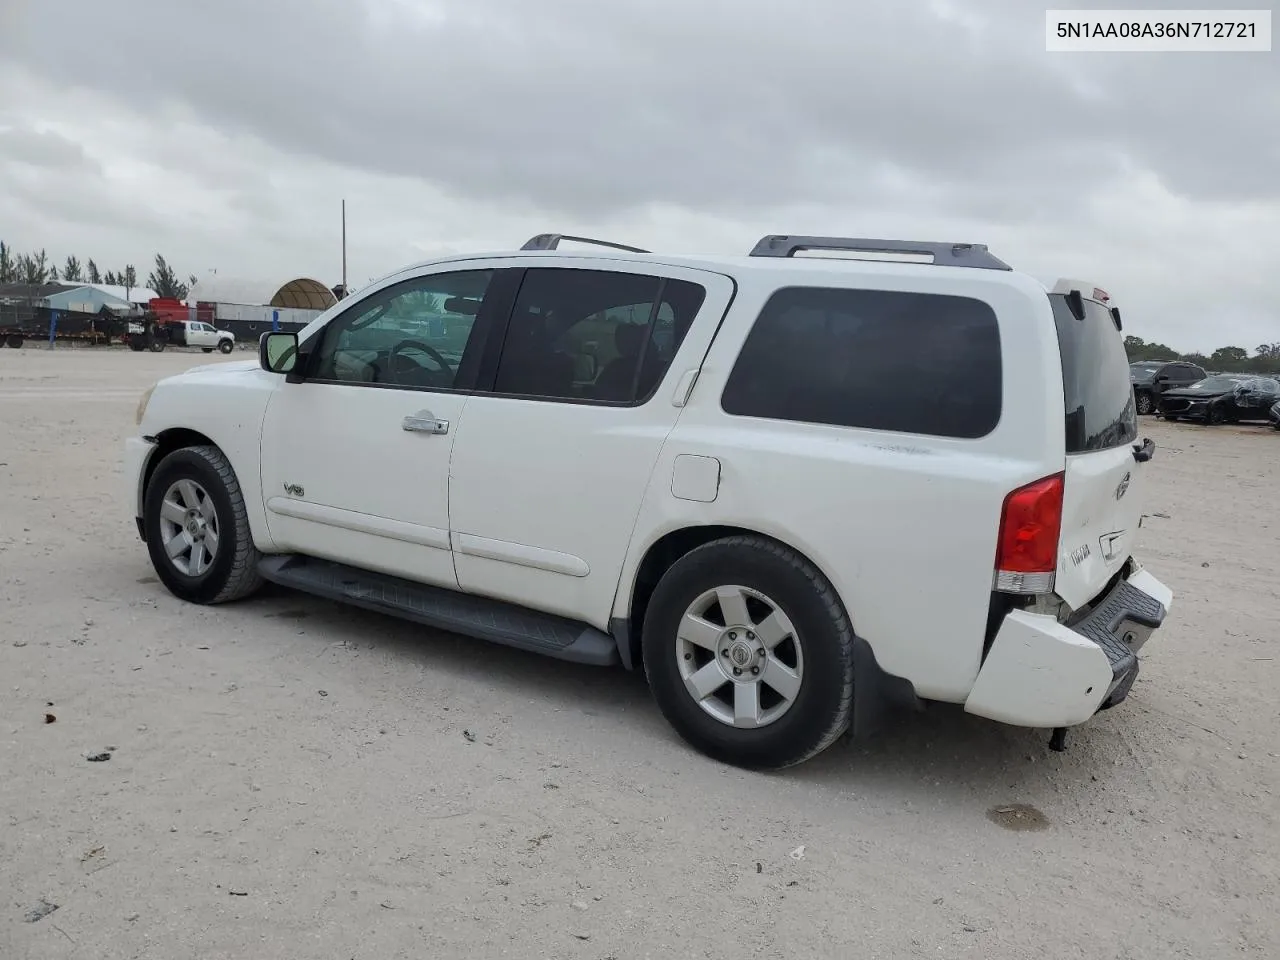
{"points": [[134, 294], [217, 289], [301, 292]]}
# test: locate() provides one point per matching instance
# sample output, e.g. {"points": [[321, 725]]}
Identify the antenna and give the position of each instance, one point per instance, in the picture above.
{"points": [[344, 246]]}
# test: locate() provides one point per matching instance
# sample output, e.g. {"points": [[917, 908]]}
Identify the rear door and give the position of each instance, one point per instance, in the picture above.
{"points": [[556, 449], [199, 335], [1105, 485]]}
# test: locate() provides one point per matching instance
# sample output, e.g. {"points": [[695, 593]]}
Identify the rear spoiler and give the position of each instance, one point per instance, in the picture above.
{"points": [[1078, 291]]}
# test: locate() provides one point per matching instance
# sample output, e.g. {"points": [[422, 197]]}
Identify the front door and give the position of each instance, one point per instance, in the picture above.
{"points": [[355, 457], [551, 464]]}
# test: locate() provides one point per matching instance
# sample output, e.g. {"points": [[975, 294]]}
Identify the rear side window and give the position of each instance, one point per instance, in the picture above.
{"points": [[881, 360], [1100, 407], [594, 336]]}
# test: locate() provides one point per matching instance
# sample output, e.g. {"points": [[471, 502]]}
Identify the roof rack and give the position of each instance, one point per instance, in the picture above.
{"points": [[551, 241], [944, 254]]}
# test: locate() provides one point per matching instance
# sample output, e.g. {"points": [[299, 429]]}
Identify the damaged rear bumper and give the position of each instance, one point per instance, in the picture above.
{"points": [[1043, 673]]}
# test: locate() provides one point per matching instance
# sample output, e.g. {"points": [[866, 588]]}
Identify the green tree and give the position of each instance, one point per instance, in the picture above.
{"points": [[34, 269], [53, 274], [130, 279], [8, 268], [1229, 358], [71, 270], [91, 269], [1138, 349], [164, 281]]}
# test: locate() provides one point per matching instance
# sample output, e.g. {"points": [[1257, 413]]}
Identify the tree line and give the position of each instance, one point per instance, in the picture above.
{"points": [[1265, 357], [36, 268]]}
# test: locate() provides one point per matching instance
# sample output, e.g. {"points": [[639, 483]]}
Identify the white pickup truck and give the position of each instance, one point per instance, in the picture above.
{"points": [[208, 338], [187, 333]]}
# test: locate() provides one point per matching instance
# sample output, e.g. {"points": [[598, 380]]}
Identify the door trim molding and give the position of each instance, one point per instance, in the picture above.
{"points": [[520, 554], [360, 522]]}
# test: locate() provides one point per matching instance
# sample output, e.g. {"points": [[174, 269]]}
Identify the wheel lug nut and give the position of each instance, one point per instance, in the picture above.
{"points": [[688, 656], [737, 672], [733, 636], [760, 652], [750, 635], [724, 652], [755, 670]]}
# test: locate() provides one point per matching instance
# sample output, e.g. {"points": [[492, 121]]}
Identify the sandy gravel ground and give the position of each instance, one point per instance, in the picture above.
{"points": [[291, 779]]}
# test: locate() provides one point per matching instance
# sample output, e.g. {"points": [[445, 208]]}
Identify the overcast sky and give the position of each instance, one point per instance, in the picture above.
{"points": [[224, 133]]}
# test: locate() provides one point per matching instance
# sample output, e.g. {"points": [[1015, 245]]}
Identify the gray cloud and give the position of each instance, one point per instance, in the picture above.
{"points": [[682, 124], [42, 149], [588, 107]]}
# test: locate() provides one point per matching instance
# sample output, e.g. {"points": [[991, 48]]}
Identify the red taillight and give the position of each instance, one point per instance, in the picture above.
{"points": [[1027, 548]]}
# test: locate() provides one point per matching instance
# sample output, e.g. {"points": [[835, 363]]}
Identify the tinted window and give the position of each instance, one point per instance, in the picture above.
{"points": [[594, 335], [1100, 410], [1218, 383], [910, 362], [411, 335]]}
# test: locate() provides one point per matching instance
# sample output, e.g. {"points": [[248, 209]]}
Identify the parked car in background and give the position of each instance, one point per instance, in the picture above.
{"points": [[1221, 399], [153, 333], [205, 336], [1274, 415], [1151, 378]]}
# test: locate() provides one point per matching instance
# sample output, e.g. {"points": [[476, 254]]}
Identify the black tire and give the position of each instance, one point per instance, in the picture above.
{"points": [[233, 574], [1215, 416], [157, 346], [15, 340], [225, 346], [820, 711], [206, 349], [1146, 403]]}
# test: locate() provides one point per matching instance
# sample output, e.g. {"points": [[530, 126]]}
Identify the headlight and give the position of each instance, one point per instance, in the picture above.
{"points": [[142, 404]]}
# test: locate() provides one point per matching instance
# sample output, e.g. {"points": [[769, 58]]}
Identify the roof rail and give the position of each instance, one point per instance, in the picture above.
{"points": [[551, 241], [944, 254]]}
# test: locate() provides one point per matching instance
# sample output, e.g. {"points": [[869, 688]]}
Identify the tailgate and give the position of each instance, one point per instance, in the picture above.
{"points": [[1101, 507], [1103, 483]]}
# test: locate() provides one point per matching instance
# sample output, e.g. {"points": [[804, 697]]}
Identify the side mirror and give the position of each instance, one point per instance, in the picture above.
{"points": [[278, 351]]}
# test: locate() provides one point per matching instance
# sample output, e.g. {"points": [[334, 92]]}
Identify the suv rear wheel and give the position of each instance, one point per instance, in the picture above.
{"points": [[749, 653], [197, 528]]}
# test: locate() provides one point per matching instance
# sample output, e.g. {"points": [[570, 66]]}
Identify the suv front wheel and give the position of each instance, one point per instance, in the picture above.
{"points": [[1146, 402], [749, 653], [198, 529]]}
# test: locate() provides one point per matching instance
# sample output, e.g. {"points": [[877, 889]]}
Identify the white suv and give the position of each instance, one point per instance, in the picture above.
{"points": [[794, 489]]}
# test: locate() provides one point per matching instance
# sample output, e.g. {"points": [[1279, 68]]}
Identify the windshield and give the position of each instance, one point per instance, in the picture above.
{"points": [[1100, 410], [1143, 371], [1217, 383]]}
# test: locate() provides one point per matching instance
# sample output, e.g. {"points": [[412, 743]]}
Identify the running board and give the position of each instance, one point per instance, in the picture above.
{"points": [[465, 613]]}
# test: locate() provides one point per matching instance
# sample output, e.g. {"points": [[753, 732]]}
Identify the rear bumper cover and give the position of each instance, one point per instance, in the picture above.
{"points": [[1042, 673]]}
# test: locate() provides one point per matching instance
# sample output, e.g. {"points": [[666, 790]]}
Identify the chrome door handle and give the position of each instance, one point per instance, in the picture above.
{"points": [[424, 424]]}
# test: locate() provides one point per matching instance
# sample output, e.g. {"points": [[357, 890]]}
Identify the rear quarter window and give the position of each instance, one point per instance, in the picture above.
{"points": [[880, 360]]}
